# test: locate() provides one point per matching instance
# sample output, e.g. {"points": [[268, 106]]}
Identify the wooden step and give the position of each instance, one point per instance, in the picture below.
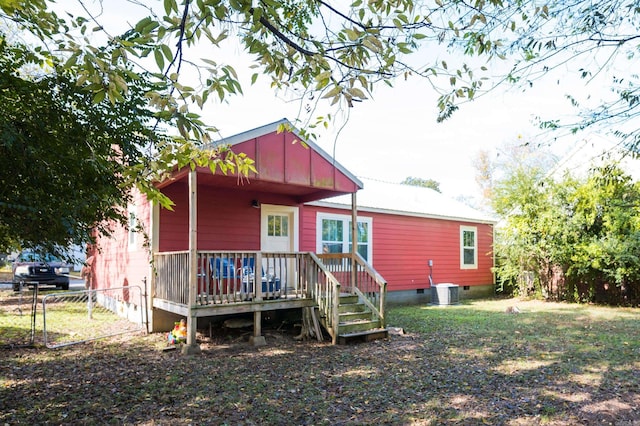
{"points": [[356, 322], [353, 315], [351, 307], [347, 299], [363, 336], [357, 326]]}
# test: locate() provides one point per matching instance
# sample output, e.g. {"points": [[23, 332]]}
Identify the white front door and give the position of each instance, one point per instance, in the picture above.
{"points": [[279, 228], [279, 232]]}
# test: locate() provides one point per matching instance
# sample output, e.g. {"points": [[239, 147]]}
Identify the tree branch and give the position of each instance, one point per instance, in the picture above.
{"points": [[280, 35]]}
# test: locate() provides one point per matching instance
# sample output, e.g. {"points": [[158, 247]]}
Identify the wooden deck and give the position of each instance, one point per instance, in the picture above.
{"points": [[242, 282]]}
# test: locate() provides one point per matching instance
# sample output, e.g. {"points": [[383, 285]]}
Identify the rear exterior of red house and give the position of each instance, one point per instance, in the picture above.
{"points": [[415, 236], [403, 245], [232, 215]]}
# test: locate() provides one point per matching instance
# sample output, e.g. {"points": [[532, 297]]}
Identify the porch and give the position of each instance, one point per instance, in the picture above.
{"points": [[347, 294]]}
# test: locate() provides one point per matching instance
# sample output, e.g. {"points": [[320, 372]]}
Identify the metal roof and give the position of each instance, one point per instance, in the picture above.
{"points": [[407, 200]]}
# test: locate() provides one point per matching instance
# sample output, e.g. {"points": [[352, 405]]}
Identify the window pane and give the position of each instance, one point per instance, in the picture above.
{"points": [[363, 232], [469, 258], [363, 250], [331, 230], [270, 225], [468, 239], [336, 236], [332, 247]]}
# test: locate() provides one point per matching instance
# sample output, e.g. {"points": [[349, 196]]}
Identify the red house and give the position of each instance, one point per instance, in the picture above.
{"points": [[281, 240]]}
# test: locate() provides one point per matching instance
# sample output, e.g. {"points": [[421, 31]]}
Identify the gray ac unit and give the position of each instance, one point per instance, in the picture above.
{"points": [[444, 294]]}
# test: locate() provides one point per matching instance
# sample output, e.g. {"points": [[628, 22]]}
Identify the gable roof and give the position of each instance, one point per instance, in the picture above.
{"points": [[286, 164], [407, 200], [275, 127]]}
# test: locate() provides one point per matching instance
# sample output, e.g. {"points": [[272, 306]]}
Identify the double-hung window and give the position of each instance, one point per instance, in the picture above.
{"points": [[468, 247], [334, 235]]}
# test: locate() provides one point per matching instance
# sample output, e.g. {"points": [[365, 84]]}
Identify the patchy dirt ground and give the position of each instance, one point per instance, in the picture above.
{"points": [[414, 378]]}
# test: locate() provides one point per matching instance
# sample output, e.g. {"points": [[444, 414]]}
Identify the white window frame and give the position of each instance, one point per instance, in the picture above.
{"points": [[473, 229], [133, 224], [346, 219]]}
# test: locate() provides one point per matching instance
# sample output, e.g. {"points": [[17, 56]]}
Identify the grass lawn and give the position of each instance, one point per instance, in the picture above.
{"points": [[556, 364]]}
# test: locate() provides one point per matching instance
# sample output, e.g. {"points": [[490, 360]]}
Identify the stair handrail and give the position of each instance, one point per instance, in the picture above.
{"points": [[378, 310], [328, 303]]}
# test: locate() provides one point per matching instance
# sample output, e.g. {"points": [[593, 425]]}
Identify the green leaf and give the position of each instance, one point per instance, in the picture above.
{"points": [[352, 34], [169, 6], [336, 90], [166, 51], [99, 96], [159, 59]]}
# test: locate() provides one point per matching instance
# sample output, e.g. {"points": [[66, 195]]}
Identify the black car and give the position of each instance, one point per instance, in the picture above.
{"points": [[32, 268]]}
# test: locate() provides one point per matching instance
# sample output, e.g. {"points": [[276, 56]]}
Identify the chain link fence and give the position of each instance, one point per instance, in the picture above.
{"points": [[31, 317], [18, 317]]}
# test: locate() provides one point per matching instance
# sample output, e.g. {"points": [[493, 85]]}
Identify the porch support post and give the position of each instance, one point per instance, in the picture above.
{"points": [[192, 346], [354, 240], [257, 339]]}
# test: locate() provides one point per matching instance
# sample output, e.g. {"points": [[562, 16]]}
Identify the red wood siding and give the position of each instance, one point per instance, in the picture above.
{"points": [[282, 158], [226, 219], [403, 245], [118, 265]]}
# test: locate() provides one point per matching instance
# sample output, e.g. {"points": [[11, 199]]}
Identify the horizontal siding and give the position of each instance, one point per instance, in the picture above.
{"points": [[403, 246], [226, 219], [308, 229], [115, 263]]}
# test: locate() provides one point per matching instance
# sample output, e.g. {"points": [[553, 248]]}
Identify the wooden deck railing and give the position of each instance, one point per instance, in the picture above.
{"points": [[232, 276], [172, 277]]}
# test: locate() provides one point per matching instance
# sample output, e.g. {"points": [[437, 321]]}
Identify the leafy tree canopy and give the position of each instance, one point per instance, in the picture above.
{"points": [[68, 163], [166, 67], [578, 238]]}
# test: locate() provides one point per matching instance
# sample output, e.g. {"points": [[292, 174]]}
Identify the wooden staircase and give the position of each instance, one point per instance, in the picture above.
{"points": [[357, 322]]}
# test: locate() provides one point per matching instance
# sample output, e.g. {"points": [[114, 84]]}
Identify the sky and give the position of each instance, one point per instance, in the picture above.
{"points": [[395, 135]]}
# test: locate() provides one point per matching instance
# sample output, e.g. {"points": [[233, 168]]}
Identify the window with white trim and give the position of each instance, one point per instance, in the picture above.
{"points": [[468, 247], [133, 227], [334, 235]]}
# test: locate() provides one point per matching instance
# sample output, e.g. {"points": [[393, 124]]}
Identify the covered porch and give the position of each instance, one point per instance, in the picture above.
{"points": [[241, 244]]}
